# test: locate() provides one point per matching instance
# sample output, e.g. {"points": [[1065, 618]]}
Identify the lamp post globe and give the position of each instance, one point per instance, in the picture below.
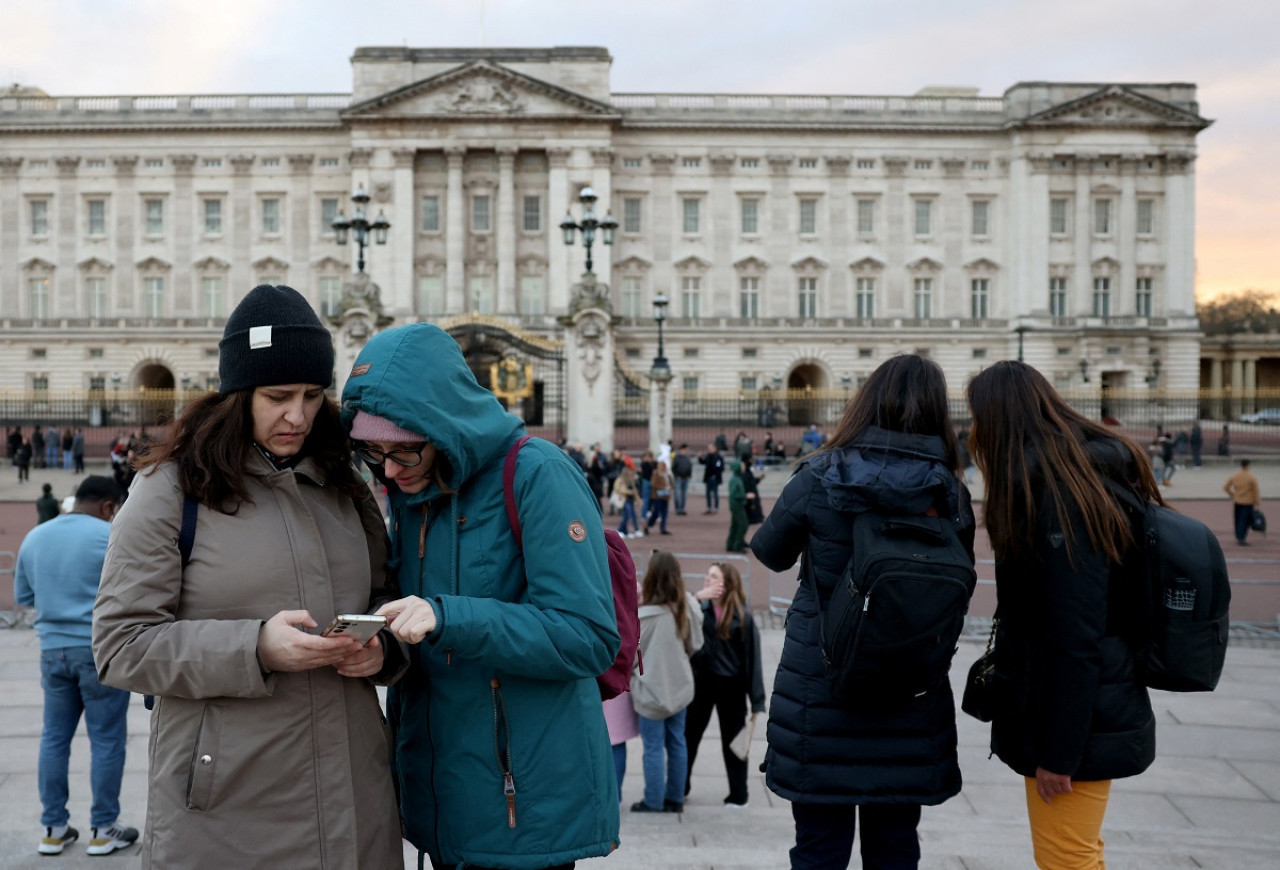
{"points": [[358, 226], [588, 225]]}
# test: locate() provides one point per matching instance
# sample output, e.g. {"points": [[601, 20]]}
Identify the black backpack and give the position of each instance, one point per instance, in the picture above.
{"points": [[890, 629], [1182, 641]]}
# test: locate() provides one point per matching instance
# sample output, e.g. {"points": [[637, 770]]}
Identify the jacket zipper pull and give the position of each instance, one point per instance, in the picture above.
{"points": [[866, 602], [509, 789], [422, 533]]}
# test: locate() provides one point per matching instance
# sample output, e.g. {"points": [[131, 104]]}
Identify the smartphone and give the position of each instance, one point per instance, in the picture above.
{"points": [[361, 626]]}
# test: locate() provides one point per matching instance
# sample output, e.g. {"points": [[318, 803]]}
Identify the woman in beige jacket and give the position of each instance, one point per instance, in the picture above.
{"points": [[268, 746]]}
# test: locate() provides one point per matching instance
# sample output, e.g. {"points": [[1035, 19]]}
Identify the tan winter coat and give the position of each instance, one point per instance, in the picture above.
{"points": [[289, 770]]}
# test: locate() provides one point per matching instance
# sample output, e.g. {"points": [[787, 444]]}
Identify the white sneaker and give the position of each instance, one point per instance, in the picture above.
{"points": [[104, 841], [53, 844]]}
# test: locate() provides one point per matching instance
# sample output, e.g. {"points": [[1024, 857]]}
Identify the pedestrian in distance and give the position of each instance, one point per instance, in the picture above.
{"points": [[736, 540], [22, 459], [13, 442], [1224, 442], [644, 481], [268, 744], [662, 691], [681, 472], [1072, 713], [597, 474], [68, 439], [37, 447], [624, 494], [1246, 497], [502, 754], [58, 568], [712, 473], [52, 447], [726, 674], [1196, 440], [867, 761], [660, 497], [77, 451], [47, 507]]}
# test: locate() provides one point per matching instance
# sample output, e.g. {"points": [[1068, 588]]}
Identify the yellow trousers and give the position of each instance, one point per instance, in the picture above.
{"points": [[1067, 834]]}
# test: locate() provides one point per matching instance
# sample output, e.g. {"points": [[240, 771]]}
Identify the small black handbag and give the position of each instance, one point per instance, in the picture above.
{"points": [[1259, 523], [979, 699]]}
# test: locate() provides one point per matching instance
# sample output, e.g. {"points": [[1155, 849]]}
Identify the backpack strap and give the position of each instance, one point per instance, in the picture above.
{"points": [[187, 534], [509, 489]]}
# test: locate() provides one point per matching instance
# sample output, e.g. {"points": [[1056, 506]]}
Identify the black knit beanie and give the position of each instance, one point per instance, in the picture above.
{"points": [[274, 337]]}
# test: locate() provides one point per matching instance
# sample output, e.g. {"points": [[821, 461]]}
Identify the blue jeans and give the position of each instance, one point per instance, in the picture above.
{"points": [[646, 489], [658, 511], [713, 495], [824, 836], [71, 687], [657, 735], [620, 764], [1243, 521], [681, 493], [629, 521]]}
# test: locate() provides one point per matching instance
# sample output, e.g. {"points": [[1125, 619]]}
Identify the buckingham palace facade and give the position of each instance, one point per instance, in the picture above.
{"points": [[801, 240]]}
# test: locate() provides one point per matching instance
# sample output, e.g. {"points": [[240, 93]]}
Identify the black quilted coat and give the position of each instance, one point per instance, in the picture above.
{"points": [[823, 751], [1071, 699]]}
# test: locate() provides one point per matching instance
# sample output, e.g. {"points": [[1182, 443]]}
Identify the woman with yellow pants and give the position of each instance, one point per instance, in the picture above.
{"points": [[1072, 713]]}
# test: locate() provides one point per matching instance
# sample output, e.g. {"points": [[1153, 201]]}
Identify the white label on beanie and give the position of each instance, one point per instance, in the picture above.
{"points": [[259, 336]]}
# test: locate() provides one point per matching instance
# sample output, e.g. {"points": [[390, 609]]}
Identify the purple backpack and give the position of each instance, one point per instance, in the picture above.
{"points": [[622, 574]]}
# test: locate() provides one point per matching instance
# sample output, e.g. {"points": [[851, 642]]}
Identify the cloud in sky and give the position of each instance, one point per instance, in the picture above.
{"points": [[819, 46]]}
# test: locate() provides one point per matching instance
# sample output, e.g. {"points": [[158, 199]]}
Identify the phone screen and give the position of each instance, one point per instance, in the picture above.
{"points": [[361, 626]]}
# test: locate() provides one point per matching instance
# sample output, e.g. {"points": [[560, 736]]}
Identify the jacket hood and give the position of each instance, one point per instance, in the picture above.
{"points": [[416, 377], [892, 472]]}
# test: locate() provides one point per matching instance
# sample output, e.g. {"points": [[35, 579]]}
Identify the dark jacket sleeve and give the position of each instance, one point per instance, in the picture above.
{"points": [[1071, 627], [785, 532], [751, 644]]}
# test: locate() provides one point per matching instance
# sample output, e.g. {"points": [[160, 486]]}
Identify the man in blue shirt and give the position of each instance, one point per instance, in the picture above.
{"points": [[59, 565]]}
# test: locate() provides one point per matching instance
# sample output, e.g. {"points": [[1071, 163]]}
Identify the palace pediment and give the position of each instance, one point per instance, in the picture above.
{"points": [[1115, 106], [480, 89]]}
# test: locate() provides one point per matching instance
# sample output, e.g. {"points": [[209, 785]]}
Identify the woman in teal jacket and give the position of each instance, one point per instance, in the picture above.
{"points": [[502, 756]]}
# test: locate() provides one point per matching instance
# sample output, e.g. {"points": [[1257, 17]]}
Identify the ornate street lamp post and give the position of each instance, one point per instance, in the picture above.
{"points": [[590, 223], [359, 226], [660, 380]]}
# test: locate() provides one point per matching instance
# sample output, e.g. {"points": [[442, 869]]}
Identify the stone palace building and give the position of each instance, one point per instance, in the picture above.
{"points": [[801, 240]]}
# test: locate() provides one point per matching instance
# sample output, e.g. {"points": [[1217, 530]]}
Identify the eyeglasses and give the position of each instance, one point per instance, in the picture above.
{"points": [[406, 457]]}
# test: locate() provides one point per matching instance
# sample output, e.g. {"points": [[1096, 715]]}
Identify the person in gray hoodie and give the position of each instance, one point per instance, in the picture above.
{"points": [[661, 694]]}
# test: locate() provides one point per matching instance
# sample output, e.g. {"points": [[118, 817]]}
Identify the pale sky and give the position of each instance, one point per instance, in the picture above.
{"points": [[1227, 47]]}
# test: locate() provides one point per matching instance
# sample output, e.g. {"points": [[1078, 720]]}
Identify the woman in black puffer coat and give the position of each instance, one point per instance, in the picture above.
{"points": [[1072, 712], [894, 451]]}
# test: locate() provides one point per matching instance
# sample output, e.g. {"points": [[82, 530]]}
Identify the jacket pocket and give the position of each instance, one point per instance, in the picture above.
{"points": [[204, 759], [502, 749]]}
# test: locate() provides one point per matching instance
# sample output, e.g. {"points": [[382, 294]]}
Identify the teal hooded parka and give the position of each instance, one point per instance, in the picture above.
{"points": [[502, 757]]}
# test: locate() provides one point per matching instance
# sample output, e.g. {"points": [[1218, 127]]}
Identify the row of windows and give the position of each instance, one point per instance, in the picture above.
{"points": [[270, 216], [1102, 217], [430, 215], [862, 163], [207, 163]]}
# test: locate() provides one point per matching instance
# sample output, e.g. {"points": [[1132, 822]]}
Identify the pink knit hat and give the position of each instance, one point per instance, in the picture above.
{"points": [[367, 427]]}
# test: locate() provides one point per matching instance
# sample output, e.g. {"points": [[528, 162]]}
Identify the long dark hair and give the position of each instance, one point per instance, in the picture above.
{"points": [[1020, 423], [733, 601], [211, 442], [906, 393], [664, 585]]}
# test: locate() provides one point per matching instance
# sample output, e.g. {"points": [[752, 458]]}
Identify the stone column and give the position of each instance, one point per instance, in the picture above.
{"points": [[62, 295], [1180, 234], [602, 182], [125, 235], [10, 228], [1124, 297], [589, 352], [398, 260], [1080, 300], [840, 233], [455, 234], [721, 211], [505, 292], [664, 222], [1027, 233], [298, 229], [241, 278], [897, 235], [185, 292], [779, 295], [953, 294], [557, 251]]}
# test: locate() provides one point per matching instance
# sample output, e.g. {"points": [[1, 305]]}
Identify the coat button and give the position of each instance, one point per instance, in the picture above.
{"points": [[206, 759]]}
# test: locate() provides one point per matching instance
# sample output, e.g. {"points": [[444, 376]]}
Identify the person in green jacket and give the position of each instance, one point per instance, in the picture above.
{"points": [[736, 542], [47, 507], [501, 751]]}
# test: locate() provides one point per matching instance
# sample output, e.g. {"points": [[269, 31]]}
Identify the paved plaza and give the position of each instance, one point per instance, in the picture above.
{"points": [[1212, 799]]}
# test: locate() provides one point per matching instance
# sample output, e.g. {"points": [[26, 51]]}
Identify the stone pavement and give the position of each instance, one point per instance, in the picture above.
{"points": [[1212, 799]]}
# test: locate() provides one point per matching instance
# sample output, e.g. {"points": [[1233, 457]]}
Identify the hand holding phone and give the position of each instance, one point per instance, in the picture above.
{"points": [[361, 626]]}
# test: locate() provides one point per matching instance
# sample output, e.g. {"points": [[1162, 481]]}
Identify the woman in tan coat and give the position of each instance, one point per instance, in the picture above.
{"points": [[268, 746]]}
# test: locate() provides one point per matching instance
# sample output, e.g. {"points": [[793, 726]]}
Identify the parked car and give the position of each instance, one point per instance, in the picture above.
{"points": [[1266, 415]]}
